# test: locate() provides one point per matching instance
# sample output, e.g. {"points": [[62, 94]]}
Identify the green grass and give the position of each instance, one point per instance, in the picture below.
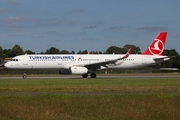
{"points": [[133, 85], [90, 99]]}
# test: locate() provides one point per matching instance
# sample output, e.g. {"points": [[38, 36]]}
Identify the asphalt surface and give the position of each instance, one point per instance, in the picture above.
{"points": [[100, 76]]}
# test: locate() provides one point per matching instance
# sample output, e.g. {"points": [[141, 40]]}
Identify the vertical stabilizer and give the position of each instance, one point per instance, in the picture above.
{"points": [[157, 46]]}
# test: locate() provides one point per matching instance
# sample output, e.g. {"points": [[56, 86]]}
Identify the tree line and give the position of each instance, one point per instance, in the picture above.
{"points": [[174, 62]]}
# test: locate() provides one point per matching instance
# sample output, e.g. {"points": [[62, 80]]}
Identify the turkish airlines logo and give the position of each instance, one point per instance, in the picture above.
{"points": [[156, 47]]}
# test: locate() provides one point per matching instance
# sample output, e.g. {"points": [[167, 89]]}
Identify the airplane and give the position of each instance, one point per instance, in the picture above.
{"points": [[89, 63]]}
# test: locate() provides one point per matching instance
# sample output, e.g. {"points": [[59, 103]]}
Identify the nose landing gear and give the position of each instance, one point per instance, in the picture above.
{"points": [[24, 76]]}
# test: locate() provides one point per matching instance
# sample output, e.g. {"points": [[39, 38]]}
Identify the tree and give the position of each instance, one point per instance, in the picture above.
{"points": [[174, 62], [79, 52], [17, 50], [64, 52], [135, 49], [95, 52], [29, 52], [52, 50], [83, 52], [8, 53], [100, 52], [2, 55], [72, 52], [114, 49], [41, 53]]}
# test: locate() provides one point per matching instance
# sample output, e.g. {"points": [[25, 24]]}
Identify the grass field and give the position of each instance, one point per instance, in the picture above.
{"points": [[90, 99]]}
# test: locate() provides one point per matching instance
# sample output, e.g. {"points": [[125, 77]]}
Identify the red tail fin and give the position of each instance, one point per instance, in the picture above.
{"points": [[157, 46]]}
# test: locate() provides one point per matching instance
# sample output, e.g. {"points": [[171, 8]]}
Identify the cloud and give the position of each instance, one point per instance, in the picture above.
{"points": [[37, 36], [47, 24], [16, 34], [13, 2], [152, 28], [77, 11], [12, 19], [99, 22], [18, 26], [115, 28], [90, 27], [3, 10], [52, 22], [58, 41], [73, 22], [87, 39], [51, 32], [177, 37]]}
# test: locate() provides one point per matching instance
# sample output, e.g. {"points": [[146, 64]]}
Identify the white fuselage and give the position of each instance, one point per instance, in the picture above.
{"points": [[64, 61]]}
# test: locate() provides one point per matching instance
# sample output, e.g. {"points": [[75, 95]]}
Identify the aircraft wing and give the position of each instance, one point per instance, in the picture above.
{"points": [[103, 63]]}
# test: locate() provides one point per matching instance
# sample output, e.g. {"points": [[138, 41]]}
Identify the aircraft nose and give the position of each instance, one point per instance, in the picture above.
{"points": [[7, 65]]}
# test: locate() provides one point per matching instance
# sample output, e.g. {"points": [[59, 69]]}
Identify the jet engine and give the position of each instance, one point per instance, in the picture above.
{"points": [[78, 70], [74, 70]]}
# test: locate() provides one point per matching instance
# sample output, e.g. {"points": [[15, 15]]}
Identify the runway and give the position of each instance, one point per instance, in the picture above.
{"points": [[80, 77]]}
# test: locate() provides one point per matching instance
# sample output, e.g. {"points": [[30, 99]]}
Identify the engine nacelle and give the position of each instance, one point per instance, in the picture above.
{"points": [[74, 70], [78, 70]]}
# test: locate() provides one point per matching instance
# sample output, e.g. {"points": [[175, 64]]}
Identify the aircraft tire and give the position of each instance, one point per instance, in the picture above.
{"points": [[84, 75], [24, 76], [93, 75]]}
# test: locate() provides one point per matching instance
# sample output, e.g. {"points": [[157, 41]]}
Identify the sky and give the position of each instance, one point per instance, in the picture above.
{"points": [[92, 25]]}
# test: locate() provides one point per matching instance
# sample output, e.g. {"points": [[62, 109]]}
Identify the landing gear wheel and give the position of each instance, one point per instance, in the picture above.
{"points": [[93, 75], [24, 76], [84, 75]]}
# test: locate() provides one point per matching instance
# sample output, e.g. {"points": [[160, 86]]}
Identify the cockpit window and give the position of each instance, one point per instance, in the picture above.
{"points": [[14, 59]]}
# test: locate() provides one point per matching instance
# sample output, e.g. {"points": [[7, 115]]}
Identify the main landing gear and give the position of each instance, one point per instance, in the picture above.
{"points": [[93, 75]]}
